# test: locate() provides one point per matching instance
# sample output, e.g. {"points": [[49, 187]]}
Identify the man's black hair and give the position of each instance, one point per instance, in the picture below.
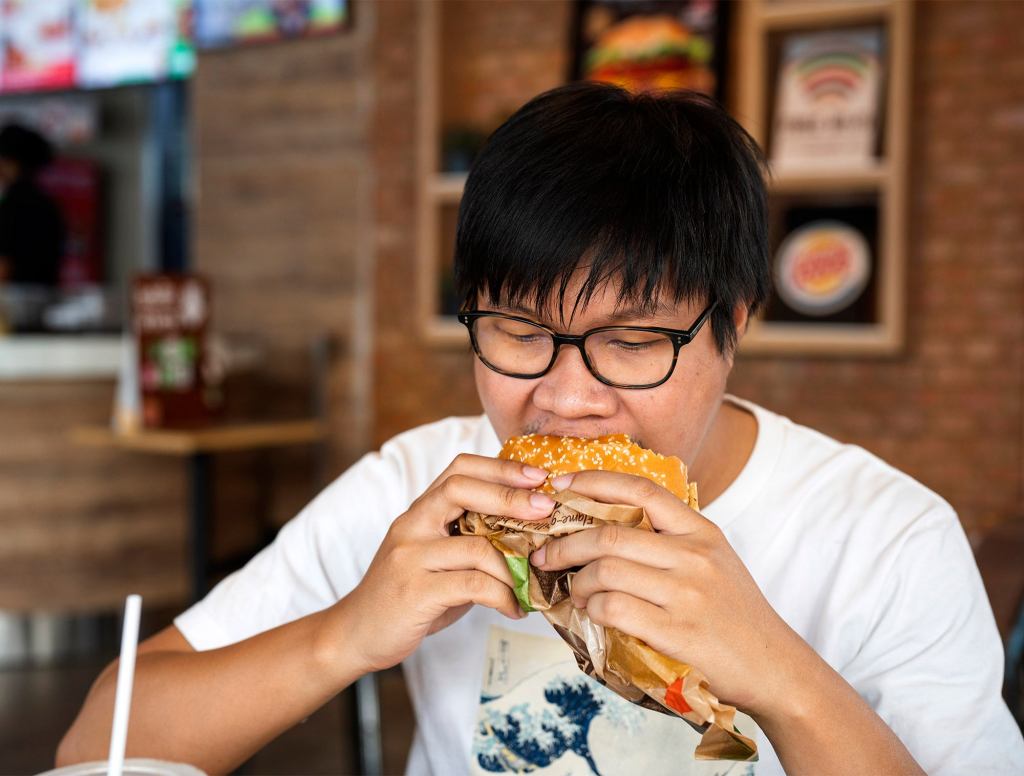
{"points": [[662, 192]]}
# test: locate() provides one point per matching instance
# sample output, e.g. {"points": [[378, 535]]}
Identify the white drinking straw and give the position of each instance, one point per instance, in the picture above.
{"points": [[125, 676]]}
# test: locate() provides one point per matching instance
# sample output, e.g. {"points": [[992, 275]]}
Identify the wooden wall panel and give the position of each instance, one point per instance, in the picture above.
{"points": [[79, 528]]}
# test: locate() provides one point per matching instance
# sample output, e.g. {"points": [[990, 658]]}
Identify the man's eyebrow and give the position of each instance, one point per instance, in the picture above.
{"points": [[625, 314]]}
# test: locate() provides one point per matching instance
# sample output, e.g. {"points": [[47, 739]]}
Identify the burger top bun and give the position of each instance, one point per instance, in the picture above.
{"points": [[614, 453], [643, 35]]}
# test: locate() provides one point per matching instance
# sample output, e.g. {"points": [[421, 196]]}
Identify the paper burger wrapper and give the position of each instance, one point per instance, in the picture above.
{"points": [[619, 661]]}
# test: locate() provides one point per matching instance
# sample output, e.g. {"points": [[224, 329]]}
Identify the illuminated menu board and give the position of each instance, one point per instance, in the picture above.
{"points": [[229, 22], [38, 44], [133, 41], [63, 44]]}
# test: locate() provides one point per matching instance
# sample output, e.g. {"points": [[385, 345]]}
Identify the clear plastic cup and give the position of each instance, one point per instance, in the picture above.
{"points": [[132, 767]]}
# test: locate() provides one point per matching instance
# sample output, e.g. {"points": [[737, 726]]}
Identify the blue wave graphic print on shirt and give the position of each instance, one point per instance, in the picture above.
{"points": [[526, 737], [540, 714]]}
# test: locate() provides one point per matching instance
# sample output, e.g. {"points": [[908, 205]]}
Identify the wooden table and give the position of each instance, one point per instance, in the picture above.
{"points": [[198, 446]]}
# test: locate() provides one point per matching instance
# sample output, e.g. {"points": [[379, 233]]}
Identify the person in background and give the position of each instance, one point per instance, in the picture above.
{"points": [[31, 226]]}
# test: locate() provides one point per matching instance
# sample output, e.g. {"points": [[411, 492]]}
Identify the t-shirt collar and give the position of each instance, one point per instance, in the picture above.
{"points": [[756, 472]]}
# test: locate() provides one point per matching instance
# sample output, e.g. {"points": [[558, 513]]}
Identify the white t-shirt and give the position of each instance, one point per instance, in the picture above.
{"points": [[870, 567]]}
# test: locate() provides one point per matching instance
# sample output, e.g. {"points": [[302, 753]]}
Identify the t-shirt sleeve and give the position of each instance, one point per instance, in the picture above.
{"points": [[316, 559], [932, 662]]}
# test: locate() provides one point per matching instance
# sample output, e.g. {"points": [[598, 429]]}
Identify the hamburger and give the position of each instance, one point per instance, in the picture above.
{"points": [[651, 51], [613, 452], [621, 662]]}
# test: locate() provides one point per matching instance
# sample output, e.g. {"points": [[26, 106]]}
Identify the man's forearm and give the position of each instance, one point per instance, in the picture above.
{"points": [[825, 728], [215, 709]]}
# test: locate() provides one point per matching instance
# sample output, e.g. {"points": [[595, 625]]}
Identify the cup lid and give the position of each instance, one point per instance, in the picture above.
{"points": [[136, 766]]}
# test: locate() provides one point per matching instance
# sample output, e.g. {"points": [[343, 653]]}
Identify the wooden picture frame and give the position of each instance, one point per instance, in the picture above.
{"points": [[435, 191], [868, 198]]}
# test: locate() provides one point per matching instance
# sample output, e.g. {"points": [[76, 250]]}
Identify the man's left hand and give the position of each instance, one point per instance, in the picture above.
{"points": [[682, 590]]}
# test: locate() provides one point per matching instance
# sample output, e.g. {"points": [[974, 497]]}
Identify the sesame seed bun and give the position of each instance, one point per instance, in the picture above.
{"points": [[614, 453]]}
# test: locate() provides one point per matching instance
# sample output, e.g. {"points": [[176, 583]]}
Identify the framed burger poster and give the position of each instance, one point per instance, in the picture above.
{"points": [[647, 45], [833, 288], [824, 263]]}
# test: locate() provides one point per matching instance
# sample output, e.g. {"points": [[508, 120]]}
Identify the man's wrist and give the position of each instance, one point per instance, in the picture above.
{"points": [[333, 652], [799, 681], [812, 702]]}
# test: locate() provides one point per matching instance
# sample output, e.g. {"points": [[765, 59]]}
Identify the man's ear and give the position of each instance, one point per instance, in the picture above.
{"points": [[740, 317]]}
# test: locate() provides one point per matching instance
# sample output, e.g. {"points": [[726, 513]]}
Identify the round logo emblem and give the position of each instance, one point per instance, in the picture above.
{"points": [[822, 267]]}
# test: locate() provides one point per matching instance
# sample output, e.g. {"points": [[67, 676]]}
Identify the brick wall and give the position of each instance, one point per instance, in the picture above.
{"points": [[486, 70], [949, 410]]}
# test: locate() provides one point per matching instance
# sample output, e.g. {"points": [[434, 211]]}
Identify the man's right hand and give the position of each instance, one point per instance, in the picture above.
{"points": [[422, 579], [217, 707]]}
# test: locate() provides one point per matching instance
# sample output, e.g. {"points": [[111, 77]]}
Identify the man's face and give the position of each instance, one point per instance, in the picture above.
{"points": [[672, 418]]}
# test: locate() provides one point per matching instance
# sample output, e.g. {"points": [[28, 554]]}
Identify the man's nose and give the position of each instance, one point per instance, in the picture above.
{"points": [[569, 390]]}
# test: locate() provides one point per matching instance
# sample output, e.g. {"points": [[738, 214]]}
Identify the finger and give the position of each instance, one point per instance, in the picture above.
{"points": [[456, 588], [630, 615], [463, 553], [511, 473], [668, 514], [634, 544], [607, 575], [460, 493]]}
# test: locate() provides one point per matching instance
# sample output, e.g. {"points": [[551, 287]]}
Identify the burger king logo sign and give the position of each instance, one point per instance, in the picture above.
{"points": [[822, 267]]}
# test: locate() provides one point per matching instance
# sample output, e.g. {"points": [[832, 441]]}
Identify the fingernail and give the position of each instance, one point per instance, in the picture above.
{"points": [[534, 473], [542, 502], [537, 559], [562, 481], [522, 614]]}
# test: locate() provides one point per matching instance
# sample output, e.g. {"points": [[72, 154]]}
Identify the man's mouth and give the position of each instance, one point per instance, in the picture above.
{"points": [[581, 433]]}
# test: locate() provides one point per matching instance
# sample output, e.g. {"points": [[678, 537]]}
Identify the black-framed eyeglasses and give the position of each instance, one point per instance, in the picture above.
{"points": [[619, 356]]}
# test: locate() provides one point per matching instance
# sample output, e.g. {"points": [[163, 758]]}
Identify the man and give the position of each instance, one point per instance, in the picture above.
{"points": [[31, 226], [828, 596]]}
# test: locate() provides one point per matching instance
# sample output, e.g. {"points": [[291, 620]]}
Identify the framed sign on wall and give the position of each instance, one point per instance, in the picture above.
{"points": [[824, 89]]}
